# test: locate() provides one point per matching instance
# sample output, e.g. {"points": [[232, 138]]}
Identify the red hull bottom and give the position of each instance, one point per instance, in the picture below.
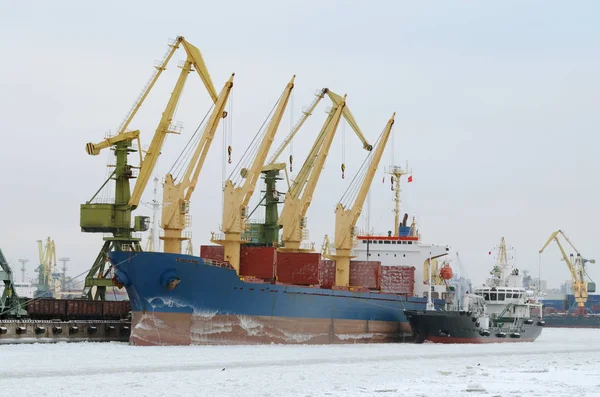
{"points": [[170, 329], [444, 339]]}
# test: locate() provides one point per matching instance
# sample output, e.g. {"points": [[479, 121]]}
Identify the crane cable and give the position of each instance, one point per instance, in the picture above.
{"points": [[254, 144], [291, 130], [185, 153], [343, 148], [352, 191]]}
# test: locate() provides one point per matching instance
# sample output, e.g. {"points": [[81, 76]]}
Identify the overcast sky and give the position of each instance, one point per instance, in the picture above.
{"points": [[497, 112]]}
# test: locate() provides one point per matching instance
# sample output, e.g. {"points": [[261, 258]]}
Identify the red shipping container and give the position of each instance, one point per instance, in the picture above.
{"points": [[326, 273], [365, 274], [212, 252], [298, 267], [257, 261], [397, 279]]}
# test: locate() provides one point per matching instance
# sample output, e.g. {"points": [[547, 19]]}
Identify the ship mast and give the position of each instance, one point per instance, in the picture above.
{"points": [[396, 173], [156, 206]]}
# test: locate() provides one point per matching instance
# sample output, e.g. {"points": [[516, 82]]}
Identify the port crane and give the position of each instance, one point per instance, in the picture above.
{"points": [[47, 256], [346, 216], [10, 305], [297, 200], [576, 266], [175, 215], [236, 198], [115, 217], [268, 233]]}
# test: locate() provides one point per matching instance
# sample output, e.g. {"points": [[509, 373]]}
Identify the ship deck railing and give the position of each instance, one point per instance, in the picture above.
{"points": [[217, 263]]}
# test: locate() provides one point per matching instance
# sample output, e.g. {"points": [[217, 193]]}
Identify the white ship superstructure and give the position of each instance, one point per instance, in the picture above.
{"points": [[403, 247]]}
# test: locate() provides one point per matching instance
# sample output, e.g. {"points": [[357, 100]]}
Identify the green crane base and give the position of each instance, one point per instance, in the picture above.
{"points": [[97, 276]]}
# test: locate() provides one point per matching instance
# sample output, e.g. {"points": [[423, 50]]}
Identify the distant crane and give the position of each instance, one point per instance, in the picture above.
{"points": [[577, 268], [346, 217], [47, 256]]}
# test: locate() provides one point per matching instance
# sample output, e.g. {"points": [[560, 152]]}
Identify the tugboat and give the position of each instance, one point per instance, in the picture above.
{"points": [[500, 311]]}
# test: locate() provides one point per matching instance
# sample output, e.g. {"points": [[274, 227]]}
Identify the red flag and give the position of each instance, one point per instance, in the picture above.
{"points": [[409, 178]]}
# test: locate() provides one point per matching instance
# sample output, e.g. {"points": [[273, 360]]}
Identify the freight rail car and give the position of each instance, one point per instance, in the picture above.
{"points": [[77, 309]]}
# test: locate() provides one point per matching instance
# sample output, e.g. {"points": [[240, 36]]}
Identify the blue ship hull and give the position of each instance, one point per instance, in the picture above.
{"points": [[180, 300]]}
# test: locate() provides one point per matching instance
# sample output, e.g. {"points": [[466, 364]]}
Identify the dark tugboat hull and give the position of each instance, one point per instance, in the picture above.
{"points": [[460, 327]]}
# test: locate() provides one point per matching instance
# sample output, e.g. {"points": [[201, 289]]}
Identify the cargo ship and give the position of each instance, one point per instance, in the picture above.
{"points": [[500, 311], [280, 297], [561, 312], [182, 299]]}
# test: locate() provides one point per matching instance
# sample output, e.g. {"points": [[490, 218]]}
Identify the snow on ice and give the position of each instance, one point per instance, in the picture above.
{"points": [[562, 362]]}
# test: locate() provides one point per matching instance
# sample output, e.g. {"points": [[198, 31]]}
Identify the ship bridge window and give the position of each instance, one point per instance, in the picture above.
{"points": [[387, 242], [500, 296], [493, 296], [393, 242], [364, 241], [486, 296], [380, 242], [410, 242]]}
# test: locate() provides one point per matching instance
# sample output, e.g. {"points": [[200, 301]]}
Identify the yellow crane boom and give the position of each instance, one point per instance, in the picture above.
{"points": [[179, 195], [576, 267], [336, 100], [159, 69], [236, 198], [195, 60], [345, 219], [292, 218]]}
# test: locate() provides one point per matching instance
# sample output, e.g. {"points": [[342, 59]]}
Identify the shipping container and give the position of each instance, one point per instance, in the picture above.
{"points": [[365, 274], [257, 261], [212, 252], [397, 279], [326, 273], [298, 267]]}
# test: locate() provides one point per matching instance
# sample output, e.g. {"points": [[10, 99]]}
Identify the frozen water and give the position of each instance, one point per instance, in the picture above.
{"points": [[562, 362]]}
